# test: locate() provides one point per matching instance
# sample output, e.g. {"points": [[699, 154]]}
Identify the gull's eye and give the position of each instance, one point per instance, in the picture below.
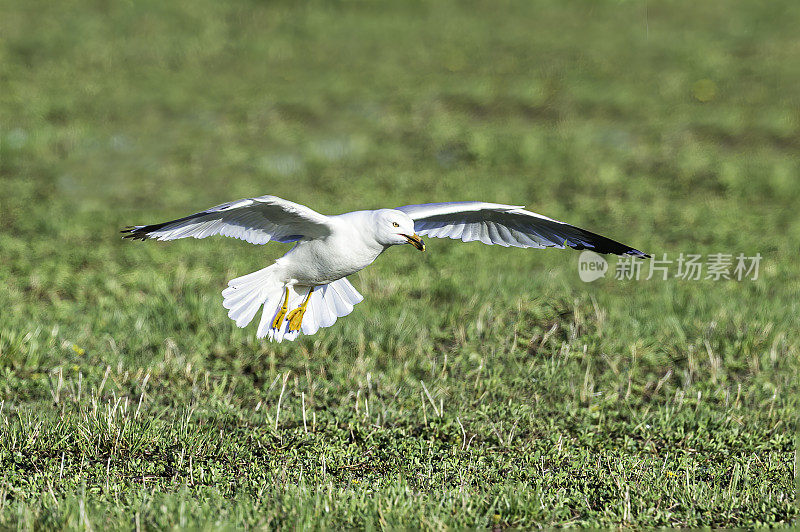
{"points": [[395, 224]]}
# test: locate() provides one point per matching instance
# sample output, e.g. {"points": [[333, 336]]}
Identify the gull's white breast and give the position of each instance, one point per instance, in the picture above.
{"points": [[349, 248]]}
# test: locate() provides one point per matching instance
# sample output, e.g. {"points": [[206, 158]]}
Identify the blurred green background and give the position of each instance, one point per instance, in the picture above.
{"points": [[474, 386]]}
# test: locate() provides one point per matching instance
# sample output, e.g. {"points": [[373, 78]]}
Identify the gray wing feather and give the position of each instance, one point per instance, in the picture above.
{"points": [[506, 225], [255, 220]]}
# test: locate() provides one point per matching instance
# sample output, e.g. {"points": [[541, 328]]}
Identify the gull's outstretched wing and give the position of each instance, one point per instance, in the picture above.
{"points": [[506, 225], [256, 220]]}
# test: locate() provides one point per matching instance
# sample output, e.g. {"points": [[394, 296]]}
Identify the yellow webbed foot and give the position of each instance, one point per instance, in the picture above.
{"points": [[295, 317], [276, 323]]}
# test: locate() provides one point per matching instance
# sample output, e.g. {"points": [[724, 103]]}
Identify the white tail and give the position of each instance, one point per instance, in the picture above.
{"points": [[247, 294]]}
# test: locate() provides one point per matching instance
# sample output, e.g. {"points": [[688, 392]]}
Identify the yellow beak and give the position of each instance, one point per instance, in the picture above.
{"points": [[416, 241]]}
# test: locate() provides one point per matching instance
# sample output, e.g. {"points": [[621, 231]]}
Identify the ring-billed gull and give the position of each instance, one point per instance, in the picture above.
{"points": [[307, 289]]}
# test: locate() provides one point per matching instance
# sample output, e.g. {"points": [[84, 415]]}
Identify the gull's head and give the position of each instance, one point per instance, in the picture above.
{"points": [[396, 227]]}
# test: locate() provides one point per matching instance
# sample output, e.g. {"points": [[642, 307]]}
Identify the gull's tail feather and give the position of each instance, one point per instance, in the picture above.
{"points": [[247, 294]]}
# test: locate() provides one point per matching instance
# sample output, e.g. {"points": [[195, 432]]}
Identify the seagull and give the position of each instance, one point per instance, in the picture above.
{"points": [[307, 288]]}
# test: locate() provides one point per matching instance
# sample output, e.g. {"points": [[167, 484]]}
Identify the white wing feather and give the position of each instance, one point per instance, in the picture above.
{"points": [[506, 225], [256, 220]]}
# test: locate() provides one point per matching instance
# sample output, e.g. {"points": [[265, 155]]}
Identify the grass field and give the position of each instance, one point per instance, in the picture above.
{"points": [[475, 386]]}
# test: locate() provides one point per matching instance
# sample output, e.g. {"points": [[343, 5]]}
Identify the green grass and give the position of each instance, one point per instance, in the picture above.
{"points": [[474, 386]]}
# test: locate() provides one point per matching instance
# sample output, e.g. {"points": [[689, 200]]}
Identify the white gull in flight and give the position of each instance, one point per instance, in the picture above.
{"points": [[307, 289]]}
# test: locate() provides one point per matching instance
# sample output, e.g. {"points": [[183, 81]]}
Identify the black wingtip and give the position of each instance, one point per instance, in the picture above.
{"points": [[637, 254], [142, 232], [134, 233], [607, 246]]}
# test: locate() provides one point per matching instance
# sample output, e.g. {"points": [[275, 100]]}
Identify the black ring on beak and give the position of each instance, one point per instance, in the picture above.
{"points": [[416, 241]]}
